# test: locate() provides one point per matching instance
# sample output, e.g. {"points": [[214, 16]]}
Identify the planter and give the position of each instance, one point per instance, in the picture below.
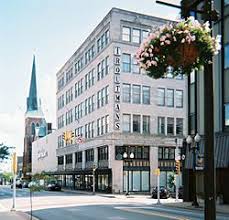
{"points": [[185, 46]]}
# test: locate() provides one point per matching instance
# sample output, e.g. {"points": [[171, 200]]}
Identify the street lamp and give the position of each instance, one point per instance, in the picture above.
{"points": [[193, 145], [125, 157]]}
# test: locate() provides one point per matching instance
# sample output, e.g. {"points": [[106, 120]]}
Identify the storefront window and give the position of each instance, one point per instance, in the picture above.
{"points": [[145, 180], [136, 181], [102, 182]]}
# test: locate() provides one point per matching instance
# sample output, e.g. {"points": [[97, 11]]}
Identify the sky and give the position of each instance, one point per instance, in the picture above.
{"points": [[52, 30]]}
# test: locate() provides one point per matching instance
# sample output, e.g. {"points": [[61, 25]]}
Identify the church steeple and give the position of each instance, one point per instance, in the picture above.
{"points": [[32, 99]]}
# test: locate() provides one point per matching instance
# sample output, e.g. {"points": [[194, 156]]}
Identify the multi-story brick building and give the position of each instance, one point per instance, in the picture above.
{"points": [[114, 108]]}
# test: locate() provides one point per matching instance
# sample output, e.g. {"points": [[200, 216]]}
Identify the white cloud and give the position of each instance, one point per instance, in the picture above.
{"points": [[12, 130]]}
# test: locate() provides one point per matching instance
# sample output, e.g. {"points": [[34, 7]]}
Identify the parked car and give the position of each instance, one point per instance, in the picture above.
{"points": [[53, 186], [164, 193], [18, 184], [25, 184]]}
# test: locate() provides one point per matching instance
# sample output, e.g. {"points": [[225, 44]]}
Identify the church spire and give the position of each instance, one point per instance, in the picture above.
{"points": [[32, 99]]}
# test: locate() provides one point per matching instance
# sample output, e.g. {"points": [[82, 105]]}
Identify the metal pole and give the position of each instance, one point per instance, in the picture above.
{"points": [[176, 179], [209, 158], [195, 202], [127, 183], [14, 193], [158, 189], [176, 176], [93, 181]]}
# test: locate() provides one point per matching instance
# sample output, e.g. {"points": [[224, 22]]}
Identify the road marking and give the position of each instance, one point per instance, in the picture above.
{"points": [[152, 213]]}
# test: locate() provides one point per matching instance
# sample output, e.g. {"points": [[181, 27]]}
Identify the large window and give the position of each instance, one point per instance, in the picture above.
{"points": [[179, 126], [126, 123], [170, 126], [146, 124], [135, 66], [126, 62], [179, 98], [126, 93], [103, 153], [166, 153], [161, 96], [60, 160], [68, 158], [136, 123], [161, 125], [145, 94], [78, 156], [90, 155], [126, 34], [136, 37], [136, 94], [170, 97], [145, 34], [138, 181]]}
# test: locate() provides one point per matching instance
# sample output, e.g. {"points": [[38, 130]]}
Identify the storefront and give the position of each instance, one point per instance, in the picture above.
{"points": [[83, 180]]}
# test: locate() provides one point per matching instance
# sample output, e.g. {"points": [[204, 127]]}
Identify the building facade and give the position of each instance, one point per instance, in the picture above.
{"points": [[35, 124], [44, 154], [124, 122], [221, 113]]}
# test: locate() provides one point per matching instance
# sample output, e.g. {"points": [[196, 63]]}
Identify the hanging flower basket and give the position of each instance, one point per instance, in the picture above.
{"points": [[184, 46]]}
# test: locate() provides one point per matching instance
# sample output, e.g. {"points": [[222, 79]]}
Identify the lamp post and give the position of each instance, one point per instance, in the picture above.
{"points": [[193, 145], [128, 157]]}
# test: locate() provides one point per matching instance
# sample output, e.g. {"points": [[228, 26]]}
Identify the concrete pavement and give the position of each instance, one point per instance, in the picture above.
{"points": [[15, 215]]}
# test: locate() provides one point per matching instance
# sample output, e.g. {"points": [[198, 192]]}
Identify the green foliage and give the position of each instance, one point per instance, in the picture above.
{"points": [[4, 152], [7, 176], [171, 180]]}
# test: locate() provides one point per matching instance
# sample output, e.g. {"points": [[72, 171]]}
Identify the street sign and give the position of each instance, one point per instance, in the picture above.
{"points": [[157, 172], [14, 163]]}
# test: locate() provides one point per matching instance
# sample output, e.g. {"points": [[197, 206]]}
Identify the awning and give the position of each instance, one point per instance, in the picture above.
{"points": [[221, 152]]}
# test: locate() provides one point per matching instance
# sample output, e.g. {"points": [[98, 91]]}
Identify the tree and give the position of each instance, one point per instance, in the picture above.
{"points": [[171, 181], [4, 152]]}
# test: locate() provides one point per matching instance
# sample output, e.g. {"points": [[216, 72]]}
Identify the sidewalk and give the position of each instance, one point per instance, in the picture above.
{"points": [[14, 215], [221, 209]]}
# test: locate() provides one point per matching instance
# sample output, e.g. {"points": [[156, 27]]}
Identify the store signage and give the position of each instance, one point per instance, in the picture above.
{"points": [[42, 154], [117, 87]]}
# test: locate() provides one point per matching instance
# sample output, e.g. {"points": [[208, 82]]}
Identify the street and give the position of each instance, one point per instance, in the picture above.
{"points": [[69, 206]]}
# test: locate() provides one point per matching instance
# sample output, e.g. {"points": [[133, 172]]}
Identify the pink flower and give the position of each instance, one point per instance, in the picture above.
{"points": [[168, 35], [152, 36], [162, 43], [168, 42], [183, 40], [162, 38], [174, 38], [154, 63]]}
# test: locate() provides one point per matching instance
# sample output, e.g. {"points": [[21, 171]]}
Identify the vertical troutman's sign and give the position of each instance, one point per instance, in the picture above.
{"points": [[117, 87]]}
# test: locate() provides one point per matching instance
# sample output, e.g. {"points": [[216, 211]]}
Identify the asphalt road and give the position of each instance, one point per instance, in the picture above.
{"points": [[73, 206]]}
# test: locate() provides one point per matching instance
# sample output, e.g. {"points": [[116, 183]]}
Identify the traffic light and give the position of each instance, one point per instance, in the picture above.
{"points": [[68, 136], [177, 167], [73, 135]]}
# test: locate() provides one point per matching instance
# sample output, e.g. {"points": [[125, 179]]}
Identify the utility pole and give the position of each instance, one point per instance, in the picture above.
{"points": [[14, 169], [209, 159]]}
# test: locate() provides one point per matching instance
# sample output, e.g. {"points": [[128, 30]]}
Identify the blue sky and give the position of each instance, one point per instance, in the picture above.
{"points": [[52, 30]]}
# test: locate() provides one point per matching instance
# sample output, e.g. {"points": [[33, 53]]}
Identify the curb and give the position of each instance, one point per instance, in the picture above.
{"points": [[201, 208], [26, 215]]}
